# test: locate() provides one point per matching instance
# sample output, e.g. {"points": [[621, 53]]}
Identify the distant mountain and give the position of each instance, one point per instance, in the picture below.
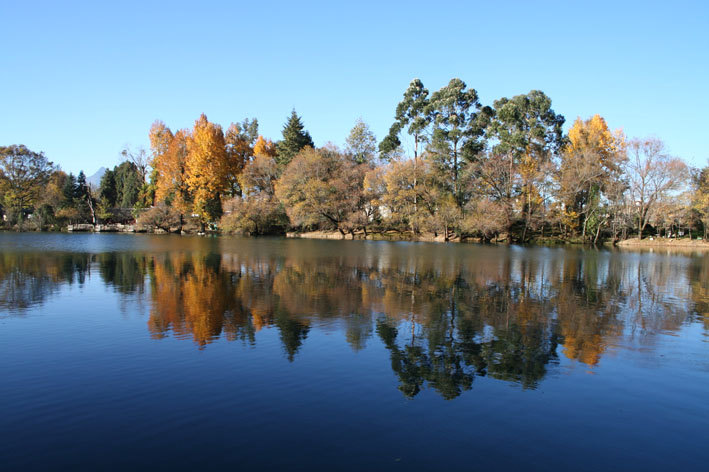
{"points": [[95, 180]]}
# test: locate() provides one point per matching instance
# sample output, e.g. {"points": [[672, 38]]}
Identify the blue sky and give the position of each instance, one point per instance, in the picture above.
{"points": [[82, 80]]}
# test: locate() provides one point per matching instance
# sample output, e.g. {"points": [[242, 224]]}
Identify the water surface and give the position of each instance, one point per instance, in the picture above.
{"points": [[186, 353]]}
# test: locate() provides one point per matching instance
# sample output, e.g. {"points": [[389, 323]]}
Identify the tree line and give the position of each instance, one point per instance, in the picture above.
{"points": [[450, 167]]}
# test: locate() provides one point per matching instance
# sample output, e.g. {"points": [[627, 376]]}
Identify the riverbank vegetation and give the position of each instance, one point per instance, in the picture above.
{"points": [[450, 167]]}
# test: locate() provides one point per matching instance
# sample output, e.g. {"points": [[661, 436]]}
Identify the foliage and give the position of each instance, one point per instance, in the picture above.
{"points": [[361, 144], [502, 172], [206, 169], [319, 187], [254, 215], [413, 115], [264, 147], [459, 125], [23, 176], [590, 164], [295, 138], [239, 141], [161, 216], [259, 176]]}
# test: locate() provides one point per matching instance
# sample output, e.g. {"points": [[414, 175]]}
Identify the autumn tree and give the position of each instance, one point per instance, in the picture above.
{"points": [[239, 140], [264, 147], [399, 195], [700, 198], [590, 160], [23, 176], [160, 138], [53, 194], [170, 166], [485, 218], [257, 210], [295, 138], [161, 216], [259, 176], [652, 175], [206, 169], [413, 116], [496, 180], [254, 215], [318, 189], [437, 209]]}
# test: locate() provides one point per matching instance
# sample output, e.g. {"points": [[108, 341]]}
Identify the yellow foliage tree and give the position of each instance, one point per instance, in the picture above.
{"points": [[590, 161], [169, 162], [206, 168], [264, 147]]}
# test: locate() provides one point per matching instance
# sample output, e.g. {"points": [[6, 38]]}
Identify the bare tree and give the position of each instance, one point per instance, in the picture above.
{"points": [[652, 174], [140, 158]]}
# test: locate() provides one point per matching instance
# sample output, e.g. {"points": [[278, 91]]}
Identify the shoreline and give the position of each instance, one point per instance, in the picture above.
{"points": [[663, 243], [373, 236], [632, 243]]}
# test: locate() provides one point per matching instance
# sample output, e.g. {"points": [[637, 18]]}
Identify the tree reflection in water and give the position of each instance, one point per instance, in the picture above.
{"points": [[444, 321]]}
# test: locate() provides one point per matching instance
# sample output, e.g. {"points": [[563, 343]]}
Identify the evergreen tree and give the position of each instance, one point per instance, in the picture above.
{"points": [[68, 191], [127, 178], [82, 188], [108, 188], [295, 138]]}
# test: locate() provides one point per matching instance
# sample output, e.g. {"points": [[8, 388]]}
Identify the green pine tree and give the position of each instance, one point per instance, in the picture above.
{"points": [[295, 138]]}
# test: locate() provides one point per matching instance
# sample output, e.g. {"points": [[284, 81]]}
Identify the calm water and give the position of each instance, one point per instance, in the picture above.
{"points": [[140, 352]]}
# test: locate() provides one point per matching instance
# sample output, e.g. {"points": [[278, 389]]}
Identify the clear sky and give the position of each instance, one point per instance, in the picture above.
{"points": [[80, 81]]}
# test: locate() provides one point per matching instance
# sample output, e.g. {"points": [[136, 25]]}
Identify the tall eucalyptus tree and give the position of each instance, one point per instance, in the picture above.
{"points": [[529, 133], [459, 127], [412, 115]]}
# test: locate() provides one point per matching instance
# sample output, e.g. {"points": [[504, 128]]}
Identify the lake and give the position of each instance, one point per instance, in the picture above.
{"points": [[132, 352]]}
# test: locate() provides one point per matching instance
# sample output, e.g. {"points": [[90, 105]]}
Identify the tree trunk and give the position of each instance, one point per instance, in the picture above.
{"points": [[455, 173], [598, 232], [91, 209], [416, 161]]}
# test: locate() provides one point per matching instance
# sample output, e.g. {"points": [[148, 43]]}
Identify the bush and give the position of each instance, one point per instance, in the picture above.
{"points": [[257, 214], [161, 216]]}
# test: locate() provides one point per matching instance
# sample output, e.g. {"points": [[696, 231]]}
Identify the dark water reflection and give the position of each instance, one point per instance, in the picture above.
{"points": [[444, 319], [442, 316]]}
